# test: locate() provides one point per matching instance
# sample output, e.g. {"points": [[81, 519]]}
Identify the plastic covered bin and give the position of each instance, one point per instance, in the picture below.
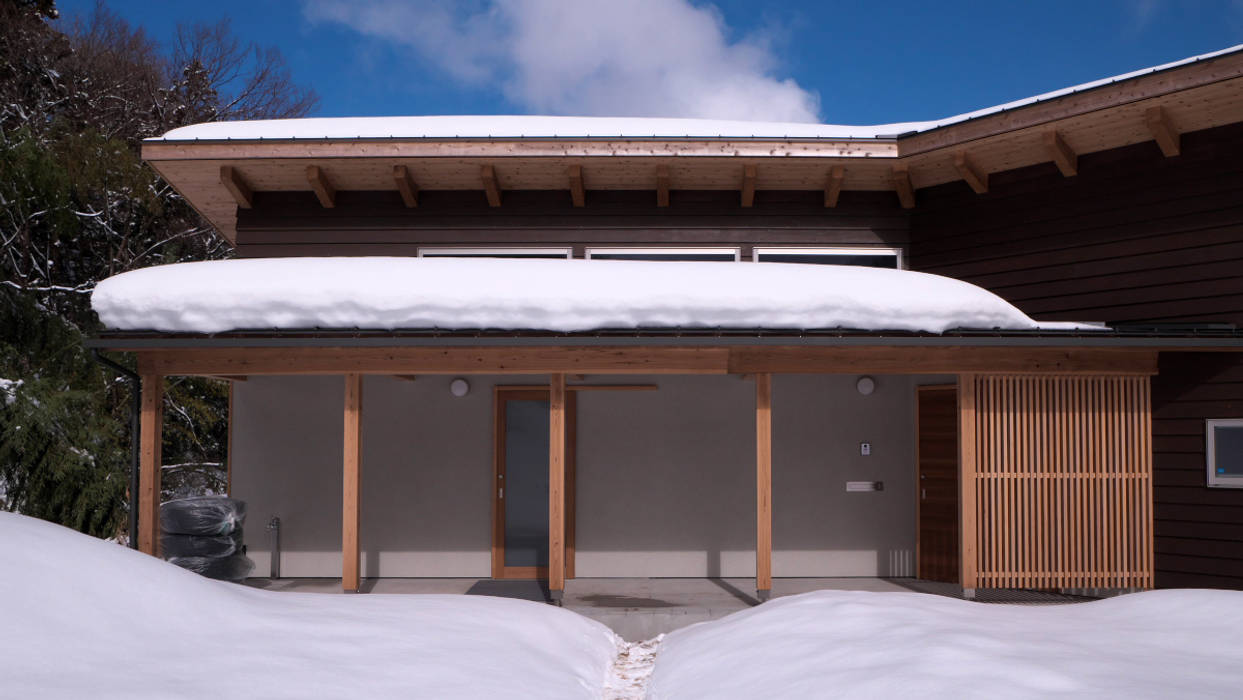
{"points": [[235, 567], [202, 516]]}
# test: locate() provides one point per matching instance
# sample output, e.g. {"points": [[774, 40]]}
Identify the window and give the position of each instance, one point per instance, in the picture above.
{"points": [[866, 257], [702, 254], [1224, 438], [553, 253]]}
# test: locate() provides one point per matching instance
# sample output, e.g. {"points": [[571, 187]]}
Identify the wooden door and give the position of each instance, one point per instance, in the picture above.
{"points": [[936, 427], [520, 483]]}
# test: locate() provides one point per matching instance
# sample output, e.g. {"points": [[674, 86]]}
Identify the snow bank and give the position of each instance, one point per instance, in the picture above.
{"points": [[554, 295], [83, 618], [531, 126], [1162, 644]]}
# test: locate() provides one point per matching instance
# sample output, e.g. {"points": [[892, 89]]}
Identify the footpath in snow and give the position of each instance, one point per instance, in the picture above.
{"points": [[81, 617]]}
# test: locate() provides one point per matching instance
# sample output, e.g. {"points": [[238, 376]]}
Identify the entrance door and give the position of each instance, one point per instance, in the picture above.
{"points": [[520, 493], [937, 469]]}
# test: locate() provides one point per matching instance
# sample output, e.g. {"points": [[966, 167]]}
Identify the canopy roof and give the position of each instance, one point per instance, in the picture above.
{"points": [[551, 295]]}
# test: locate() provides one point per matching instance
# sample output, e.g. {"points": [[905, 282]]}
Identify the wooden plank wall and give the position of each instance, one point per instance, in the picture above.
{"points": [[1134, 236], [378, 223], [1063, 482]]}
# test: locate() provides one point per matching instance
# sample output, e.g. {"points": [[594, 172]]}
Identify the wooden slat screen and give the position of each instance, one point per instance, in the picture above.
{"points": [[1063, 482]]}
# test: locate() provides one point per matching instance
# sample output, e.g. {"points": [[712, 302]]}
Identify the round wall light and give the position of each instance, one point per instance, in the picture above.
{"points": [[866, 385], [459, 387]]}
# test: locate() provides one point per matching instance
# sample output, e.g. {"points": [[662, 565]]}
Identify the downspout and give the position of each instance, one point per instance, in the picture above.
{"points": [[135, 409]]}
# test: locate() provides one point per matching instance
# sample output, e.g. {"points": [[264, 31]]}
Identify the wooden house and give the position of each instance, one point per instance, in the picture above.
{"points": [[1044, 458]]}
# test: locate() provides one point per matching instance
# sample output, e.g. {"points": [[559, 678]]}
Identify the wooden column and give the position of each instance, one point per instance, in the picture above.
{"points": [[351, 485], [556, 486], [763, 485], [151, 424], [967, 556]]}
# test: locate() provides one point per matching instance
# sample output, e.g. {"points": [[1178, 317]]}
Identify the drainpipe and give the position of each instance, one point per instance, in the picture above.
{"points": [[274, 526], [135, 410]]}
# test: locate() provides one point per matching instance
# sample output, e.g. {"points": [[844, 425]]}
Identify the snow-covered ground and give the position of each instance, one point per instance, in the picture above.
{"points": [[556, 295], [81, 617], [855, 644]]}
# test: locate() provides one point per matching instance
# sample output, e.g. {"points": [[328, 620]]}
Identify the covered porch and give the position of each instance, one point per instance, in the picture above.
{"points": [[1053, 474]]}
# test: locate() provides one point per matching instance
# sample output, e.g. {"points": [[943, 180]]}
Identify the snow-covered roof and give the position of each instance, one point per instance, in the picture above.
{"points": [[551, 295], [531, 126]]}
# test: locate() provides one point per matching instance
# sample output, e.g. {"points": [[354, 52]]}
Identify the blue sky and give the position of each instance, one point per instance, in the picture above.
{"points": [[837, 62]]}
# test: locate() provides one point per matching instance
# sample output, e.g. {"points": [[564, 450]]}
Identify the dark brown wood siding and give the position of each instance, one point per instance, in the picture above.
{"points": [[376, 223], [1134, 237]]}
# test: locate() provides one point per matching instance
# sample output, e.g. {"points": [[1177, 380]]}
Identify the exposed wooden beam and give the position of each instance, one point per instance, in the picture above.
{"points": [[971, 172], [324, 191], [351, 483], [1066, 159], [487, 174], [833, 185], [901, 175], [763, 485], [406, 186], [150, 458], [879, 359], [556, 486], [1162, 129], [966, 482], [748, 185], [578, 195], [233, 182], [662, 185]]}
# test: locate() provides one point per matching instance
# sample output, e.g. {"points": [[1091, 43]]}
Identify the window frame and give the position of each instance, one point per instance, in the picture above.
{"points": [[537, 253], [897, 253], [1210, 454], [671, 251]]}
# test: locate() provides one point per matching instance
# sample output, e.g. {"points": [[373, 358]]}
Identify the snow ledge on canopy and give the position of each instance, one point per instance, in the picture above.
{"points": [[391, 293]]}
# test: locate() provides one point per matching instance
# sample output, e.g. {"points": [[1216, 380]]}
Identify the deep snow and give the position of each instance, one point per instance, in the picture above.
{"points": [[1160, 644], [555, 295], [83, 618]]}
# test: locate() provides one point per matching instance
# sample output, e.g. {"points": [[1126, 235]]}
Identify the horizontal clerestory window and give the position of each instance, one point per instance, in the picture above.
{"points": [[684, 254], [479, 252], [866, 257]]}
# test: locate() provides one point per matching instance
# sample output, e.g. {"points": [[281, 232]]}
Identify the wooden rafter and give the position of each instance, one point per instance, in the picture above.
{"points": [[406, 186], [748, 185], [578, 195], [1066, 159], [662, 185], [487, 174], [833, 185], [233, 182], [971, 172], [323, 189], [1162, 129], [901, 175]]}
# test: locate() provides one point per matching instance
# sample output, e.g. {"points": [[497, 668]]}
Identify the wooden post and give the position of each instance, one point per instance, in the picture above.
{"points": [[967, 557], [151, 424], [556, 487], [763, 485], [352, 482]]}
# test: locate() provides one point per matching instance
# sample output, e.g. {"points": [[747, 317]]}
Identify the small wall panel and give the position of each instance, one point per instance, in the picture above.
{"points": [[1063, 482]]}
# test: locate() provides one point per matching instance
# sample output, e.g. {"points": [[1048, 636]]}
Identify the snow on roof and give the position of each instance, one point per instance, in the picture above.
{"points": [[531, 126], [552, 295]]}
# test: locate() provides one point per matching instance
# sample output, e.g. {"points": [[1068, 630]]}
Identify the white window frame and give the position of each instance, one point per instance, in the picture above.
{"points": [[757, 251], [736, 252], [485, 251], [1210, 453]]}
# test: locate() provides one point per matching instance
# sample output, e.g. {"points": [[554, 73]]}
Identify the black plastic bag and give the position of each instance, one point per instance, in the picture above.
{"points": [[202, 515], [235, 567], [175, 545]]}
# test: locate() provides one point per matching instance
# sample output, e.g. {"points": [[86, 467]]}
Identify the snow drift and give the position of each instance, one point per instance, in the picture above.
{"points": [[83, 618], [553, 295], [1161, 644]]}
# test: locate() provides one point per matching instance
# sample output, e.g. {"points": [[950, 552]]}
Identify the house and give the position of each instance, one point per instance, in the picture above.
{"points": [[731, 414]]}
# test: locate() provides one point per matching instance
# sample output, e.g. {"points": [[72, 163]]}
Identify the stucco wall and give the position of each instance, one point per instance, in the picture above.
{"points": [[666, 479]]}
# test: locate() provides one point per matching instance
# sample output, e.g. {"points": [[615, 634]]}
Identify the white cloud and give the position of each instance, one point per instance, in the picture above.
{"points": [[655, 58]]}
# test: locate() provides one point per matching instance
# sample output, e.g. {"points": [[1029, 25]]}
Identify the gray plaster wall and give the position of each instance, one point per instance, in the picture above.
{"points": [[666, 479]]}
